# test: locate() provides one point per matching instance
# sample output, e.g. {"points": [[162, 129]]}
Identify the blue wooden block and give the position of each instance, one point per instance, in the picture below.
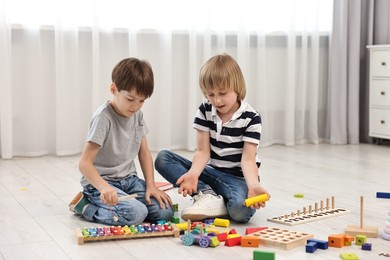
{"points": [[320, 243], [366, 246], [383, 195], [311, 247]]}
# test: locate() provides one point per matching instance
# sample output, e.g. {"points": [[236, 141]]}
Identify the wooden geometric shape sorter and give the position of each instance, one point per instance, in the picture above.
{"points": [[281, 238], [309, 214]]}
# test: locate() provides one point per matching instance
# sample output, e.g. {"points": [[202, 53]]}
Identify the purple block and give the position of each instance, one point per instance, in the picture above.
{"points": [[366, 246]]}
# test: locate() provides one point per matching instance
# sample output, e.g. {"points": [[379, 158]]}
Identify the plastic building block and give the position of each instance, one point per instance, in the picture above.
{"points": [[263, 255]]}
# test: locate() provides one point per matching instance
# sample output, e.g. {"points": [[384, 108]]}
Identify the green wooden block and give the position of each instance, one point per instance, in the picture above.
{"points": [[175, 207], [263, 255], [214, 241], [175, 219], [360, 240], [349, 256]]}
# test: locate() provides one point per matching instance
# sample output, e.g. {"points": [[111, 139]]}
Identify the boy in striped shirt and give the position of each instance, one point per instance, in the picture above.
{"points": [[225, 166]]}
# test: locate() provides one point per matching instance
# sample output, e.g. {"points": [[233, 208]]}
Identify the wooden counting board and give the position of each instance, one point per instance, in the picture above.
{"points": [[81, 237], [281, 238], [304, 216]]}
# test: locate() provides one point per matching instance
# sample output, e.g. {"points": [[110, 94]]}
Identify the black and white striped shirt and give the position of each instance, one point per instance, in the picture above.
{"points": [[227, 140]]}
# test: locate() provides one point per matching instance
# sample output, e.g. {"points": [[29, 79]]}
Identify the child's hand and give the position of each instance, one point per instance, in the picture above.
{"points": [[159, 195], [109, 196], [188, 184], [256, 191]]}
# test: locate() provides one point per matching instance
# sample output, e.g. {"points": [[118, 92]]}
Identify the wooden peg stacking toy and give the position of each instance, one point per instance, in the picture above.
{"points": [[362, 229], [304, 216], [261, 198]]}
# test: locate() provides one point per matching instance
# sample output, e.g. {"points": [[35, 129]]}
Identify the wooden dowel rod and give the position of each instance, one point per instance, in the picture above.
{"points": [[131, 196]]}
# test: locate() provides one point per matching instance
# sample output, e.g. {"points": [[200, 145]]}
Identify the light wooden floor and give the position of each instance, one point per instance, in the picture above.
{"points": [[35, 222]]}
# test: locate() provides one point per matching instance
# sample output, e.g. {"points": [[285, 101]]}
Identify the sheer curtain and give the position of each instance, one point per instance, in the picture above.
{"points": [[57, 56]]}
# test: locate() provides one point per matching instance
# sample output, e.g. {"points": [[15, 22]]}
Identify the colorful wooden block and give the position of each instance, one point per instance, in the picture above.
{"points": [[220, 222], [360, 240], [321, 244], [367, 246], [336, 240], [253, 230], [263, 255], [311, 247], [349, 256], [383, 195], [222, 236], [348, 240], [233, 241], [248, 241]]}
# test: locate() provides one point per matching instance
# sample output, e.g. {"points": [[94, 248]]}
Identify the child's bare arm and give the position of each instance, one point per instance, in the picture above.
{"points": [[108, 194], [250, 171], [146, 162], [188, 182]]}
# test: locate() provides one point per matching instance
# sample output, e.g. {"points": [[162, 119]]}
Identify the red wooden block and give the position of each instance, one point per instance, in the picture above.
{"points": [[222, 236], [233, 231], [233, 241], [253, 230]]}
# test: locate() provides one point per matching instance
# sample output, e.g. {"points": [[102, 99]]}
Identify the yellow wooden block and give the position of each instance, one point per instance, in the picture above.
{"points": [[233, 236]]}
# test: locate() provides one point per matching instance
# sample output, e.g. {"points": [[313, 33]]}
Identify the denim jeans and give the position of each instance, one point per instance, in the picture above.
{"points": [[233, 189], [128, 211]]}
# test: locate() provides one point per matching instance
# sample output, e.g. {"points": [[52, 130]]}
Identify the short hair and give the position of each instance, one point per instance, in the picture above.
{"points": [[222, 72], [132, 73]]}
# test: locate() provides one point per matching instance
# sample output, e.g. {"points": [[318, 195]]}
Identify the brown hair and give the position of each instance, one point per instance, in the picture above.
{"points": [[222, 72], [132, 73]]}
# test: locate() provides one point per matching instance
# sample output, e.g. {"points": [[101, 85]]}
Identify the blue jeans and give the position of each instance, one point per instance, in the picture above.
{"points": [[128, 211], [233, 189]]}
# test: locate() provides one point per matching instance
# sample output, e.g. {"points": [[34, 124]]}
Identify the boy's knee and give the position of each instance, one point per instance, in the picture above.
{"points": [[239, 213], [161, 158], [137, 218], [160, 214]]}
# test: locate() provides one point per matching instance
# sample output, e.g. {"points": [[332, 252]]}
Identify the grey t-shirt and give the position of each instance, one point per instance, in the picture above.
{"points": [[119, 139]]}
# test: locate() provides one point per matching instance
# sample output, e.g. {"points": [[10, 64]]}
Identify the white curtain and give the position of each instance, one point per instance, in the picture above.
{"points": [[57, 56]]}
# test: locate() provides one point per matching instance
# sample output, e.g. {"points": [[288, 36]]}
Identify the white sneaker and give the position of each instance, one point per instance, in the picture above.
{"points": [[205, 206]]}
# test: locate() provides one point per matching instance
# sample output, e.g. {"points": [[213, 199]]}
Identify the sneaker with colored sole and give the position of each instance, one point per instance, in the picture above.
{"points": [[205, 206]]}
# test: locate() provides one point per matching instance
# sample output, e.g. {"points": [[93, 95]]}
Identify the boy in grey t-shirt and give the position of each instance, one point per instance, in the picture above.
{"points": [[116, 136]]}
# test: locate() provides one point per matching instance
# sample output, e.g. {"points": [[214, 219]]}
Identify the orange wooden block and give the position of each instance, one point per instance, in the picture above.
{"points": [[248, 241], [348, 240], [336, 240], [233, 241]]}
